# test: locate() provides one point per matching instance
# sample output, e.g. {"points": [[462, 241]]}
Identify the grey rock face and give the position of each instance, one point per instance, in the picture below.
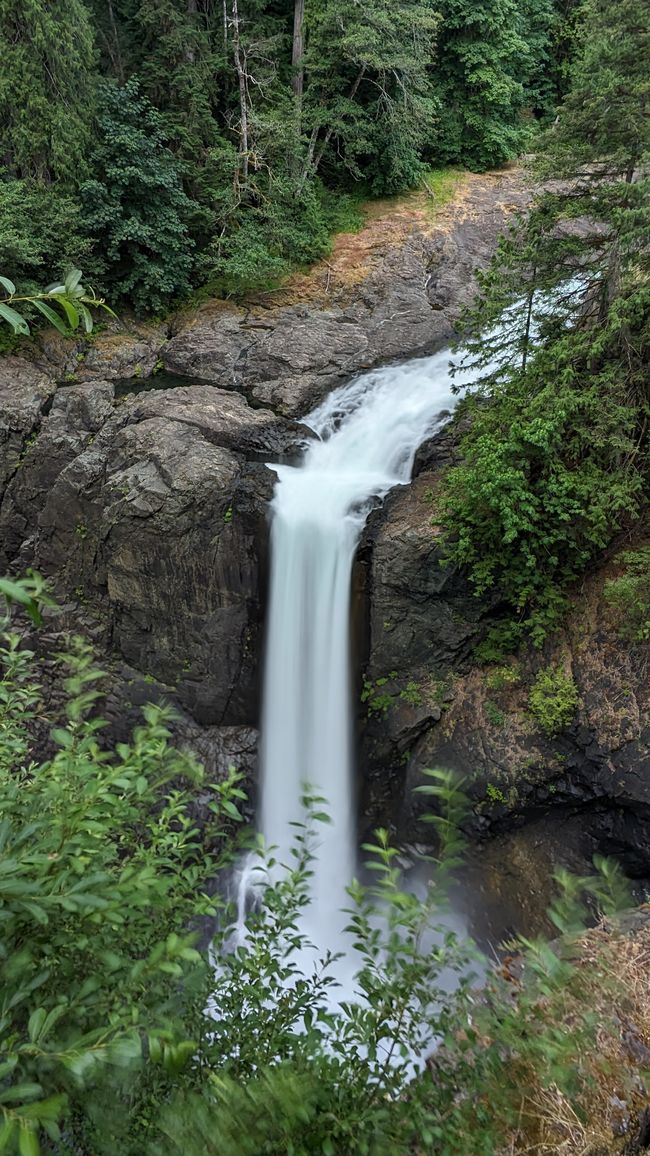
{"points": [[152, 516], [24, 391], [77, 413]]}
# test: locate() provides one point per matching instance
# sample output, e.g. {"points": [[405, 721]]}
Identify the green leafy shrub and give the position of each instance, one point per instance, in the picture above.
{"points": [[494, 715], [378, 699], [553, 699], [500, 677], [134, 207], [630, 594], [102, 874], [412, 694]]}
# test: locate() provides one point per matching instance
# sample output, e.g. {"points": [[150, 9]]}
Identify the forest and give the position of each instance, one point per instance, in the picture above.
{"points": [[177, 151], [165, 146]]}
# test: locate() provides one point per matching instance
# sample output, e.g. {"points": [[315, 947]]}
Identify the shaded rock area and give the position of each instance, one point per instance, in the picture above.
{"points": [[123, 692], [478, 720], [151, 516]]}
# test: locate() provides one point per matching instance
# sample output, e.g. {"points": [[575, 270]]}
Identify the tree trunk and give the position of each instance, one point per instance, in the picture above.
{"points": [[114, 51], [529, 318], [314, 158], [297, 55], [243, 98], [192, 9]]}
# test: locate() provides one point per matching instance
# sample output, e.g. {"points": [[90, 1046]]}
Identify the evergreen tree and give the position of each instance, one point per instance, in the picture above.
{"points": [[478, 81], [368, 93], [134, 206], [539, 28], [46, 88]]}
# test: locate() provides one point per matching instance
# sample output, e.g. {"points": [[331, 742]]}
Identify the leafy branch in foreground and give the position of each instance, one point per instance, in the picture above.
{"points": [[70, 297], [123, 1032], [103, 871]]}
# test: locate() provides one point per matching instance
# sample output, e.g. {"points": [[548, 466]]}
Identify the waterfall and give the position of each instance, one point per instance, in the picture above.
{"points": [[367, 434]]}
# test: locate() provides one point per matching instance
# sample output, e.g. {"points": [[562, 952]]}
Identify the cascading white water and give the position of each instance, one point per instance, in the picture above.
{"points": [[368, 433]]}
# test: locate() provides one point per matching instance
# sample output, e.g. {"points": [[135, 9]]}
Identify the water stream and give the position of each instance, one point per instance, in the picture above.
{"points": [[368, 433]]}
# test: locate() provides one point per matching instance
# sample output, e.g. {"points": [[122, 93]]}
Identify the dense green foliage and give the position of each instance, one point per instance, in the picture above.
{"points": [[46, 90], [558, 460], [210, 143], [481, 51], [134, 205], [119, 1034]]}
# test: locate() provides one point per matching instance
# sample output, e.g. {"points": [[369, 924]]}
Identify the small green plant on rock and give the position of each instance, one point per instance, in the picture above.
{"points": [[494, 716], [630, 595], [553, 699], [412, 694], [377, 699], [500, 677], [494, 794]]}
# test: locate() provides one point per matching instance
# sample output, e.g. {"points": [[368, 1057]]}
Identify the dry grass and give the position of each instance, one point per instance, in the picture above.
{"points": [[606, 1114], [389, 221]]}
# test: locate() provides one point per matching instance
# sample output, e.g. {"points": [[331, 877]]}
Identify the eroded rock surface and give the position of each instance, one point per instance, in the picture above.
{"points": [[151, 516], [24, 393], [597, 766], [396, 298]]}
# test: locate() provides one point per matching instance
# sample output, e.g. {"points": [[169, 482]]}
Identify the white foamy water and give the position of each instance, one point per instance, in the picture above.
{"points": [[369, 431]]}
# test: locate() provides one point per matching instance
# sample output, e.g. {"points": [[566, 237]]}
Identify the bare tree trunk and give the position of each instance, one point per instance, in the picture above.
{"points": [[314, 158], [297, 55], [243, 100], [114, 51], [192, 9], [225, 24], [529, 318]]}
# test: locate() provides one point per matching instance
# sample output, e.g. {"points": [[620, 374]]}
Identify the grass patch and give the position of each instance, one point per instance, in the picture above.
{"points": [[440, 186]]}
